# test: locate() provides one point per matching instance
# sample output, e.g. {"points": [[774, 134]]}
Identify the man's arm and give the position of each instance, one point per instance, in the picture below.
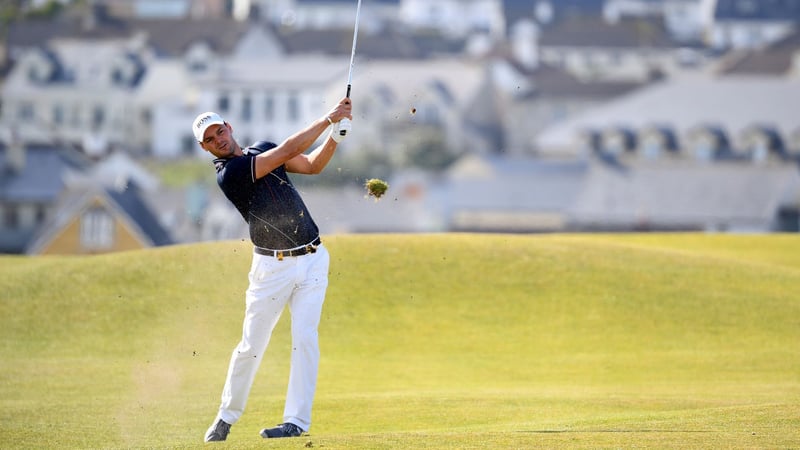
{"points": [[314, 162], [299, 142]]}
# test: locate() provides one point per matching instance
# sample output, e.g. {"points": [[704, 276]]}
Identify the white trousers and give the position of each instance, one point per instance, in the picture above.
{"points": [[301, 283]]}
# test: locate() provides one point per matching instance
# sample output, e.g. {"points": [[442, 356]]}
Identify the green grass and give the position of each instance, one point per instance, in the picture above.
{"points": [[428, 341], [184, 172]]}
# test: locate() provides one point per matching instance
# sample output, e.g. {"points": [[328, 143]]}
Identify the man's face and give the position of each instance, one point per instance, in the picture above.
{"points": [[218, 140]]}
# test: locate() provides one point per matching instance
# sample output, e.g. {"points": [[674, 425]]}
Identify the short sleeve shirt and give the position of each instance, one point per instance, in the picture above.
{"points": [[272, 207]]}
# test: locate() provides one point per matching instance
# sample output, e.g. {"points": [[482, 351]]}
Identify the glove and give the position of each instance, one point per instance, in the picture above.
{"points": [[341, 130]]}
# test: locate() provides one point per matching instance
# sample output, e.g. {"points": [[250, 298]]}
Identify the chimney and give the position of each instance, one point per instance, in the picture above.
{"points": [[525, 43], [91, 16]]}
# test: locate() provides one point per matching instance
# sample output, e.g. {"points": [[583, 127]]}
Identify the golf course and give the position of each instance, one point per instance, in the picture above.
{"points": [[458, 341]]}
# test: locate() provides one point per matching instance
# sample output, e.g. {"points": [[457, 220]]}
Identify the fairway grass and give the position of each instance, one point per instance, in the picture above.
{"points": [[428, 341]]}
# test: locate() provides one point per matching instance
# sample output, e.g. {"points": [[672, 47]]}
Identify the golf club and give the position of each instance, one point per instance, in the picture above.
{"points": [[344, 124]]}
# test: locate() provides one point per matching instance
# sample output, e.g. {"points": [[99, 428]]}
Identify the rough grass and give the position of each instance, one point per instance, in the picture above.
{"points": [[428, 341]]}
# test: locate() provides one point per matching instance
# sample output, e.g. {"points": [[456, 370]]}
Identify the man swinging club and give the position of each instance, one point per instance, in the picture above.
{"points": [[289, 266]]}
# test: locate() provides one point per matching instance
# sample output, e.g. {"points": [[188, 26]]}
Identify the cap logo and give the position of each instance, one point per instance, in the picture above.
{"points": [[202, 121]]}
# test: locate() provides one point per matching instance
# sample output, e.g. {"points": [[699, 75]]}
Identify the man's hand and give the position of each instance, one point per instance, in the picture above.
{"points": [[337, 127], [343, 110], [336, 116]]}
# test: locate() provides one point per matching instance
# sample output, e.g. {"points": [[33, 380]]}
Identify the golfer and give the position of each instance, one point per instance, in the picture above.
{"points": [[290, 263]]}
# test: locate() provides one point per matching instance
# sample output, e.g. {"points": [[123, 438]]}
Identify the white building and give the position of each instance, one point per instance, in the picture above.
{"points": [[705, 116], [456, 18], [77, 91]]}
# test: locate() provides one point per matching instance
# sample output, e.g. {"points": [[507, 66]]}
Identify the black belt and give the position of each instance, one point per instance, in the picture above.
{"points": [[311, 247]]}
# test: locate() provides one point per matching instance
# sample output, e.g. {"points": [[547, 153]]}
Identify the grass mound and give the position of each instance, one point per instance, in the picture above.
{"points": [[430, 341]]}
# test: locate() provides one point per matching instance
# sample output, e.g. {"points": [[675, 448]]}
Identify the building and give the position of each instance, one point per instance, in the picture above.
{"points": [[31, 179], [752, 24], [707, 115], [92, 219]]}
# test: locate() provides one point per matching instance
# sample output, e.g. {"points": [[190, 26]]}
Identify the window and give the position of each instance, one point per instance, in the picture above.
{"points": [[26, 111], [75, 117], [11, 217], [614, 145], [41, 213], [197, 66], [247, 108], [293, 107], [117, 76], [429, 114], [58, 114], [652, 147], [145, 116], [189, 145], [269, 107], [98, 116], [97, 229], [223, 103], [703, 150]]}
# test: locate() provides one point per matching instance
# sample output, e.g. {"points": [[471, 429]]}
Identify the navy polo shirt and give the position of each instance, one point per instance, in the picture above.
{"points": [[271, 205]]}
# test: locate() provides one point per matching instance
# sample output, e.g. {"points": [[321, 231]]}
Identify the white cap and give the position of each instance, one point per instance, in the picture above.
{"points": [[203, 121]]}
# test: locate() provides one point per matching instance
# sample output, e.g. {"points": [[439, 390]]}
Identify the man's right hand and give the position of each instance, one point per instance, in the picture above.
{"points": [[343, 110]]}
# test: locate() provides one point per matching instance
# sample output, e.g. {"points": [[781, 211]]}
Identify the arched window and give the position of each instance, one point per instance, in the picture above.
{"points": [[588, 142], [762, 144], [656, 142], [618, 141], [707, 143]]}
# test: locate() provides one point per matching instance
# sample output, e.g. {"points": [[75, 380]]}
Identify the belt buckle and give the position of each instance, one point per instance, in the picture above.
{"points": [[311, 248], [279, 255]]}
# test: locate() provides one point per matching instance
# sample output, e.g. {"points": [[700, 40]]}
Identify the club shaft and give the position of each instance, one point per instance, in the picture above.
{"points": [[353, 51]]}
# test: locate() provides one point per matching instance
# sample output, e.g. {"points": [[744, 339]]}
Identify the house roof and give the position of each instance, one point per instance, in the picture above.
{"points": [[551, 82], [780, 10], [173, 37], [777, 59], [294, 71], [403, 84], [686, 195], [167, 37], [42, 177], [562, 9], [127, 203], [521, 184], [594, 31], [732, 103], [131, 202], [387, 2], [388, 44]]}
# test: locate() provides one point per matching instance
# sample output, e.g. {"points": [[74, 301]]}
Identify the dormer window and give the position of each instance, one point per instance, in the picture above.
{"points": [[652, 146], [618, 141], [656, 142], [197, 57], [588, 142], [198, 66], [125, 70], [40, 67], [117, 77], [33, 74], [762, 144], [707, 143]]}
